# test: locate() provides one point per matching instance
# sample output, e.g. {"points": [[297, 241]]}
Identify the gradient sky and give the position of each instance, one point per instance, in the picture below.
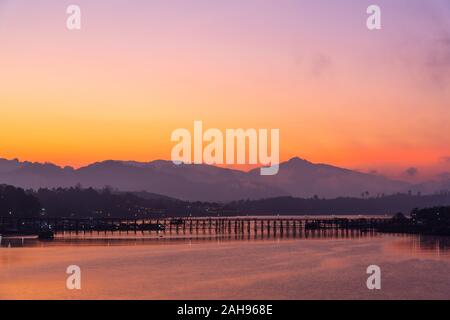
{"points": [[340, 94]]}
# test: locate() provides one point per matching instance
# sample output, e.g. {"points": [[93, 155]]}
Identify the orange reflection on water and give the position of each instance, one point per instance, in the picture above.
{"points": [[319, 267]]}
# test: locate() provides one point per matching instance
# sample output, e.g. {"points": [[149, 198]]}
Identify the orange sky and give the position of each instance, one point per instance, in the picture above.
{"points": [[116, 89]]}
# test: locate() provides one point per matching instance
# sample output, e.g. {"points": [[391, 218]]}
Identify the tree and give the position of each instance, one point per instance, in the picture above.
{"points": [[15, 202]]}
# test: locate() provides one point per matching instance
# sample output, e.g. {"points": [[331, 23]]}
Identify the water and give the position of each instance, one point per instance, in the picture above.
{"points": [[321, 266]]}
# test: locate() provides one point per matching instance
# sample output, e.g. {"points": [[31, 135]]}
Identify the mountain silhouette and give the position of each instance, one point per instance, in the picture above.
{"points": [[302, 178], [296, 177]]}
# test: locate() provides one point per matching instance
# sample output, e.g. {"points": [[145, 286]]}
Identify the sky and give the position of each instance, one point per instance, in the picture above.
{"points": [[376, 101]]}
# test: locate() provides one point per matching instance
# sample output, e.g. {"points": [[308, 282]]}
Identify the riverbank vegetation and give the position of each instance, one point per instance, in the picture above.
{"points": [[78, 202]]}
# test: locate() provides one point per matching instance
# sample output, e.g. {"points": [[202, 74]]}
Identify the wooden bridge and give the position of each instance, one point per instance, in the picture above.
{"points": [[186, 225]]}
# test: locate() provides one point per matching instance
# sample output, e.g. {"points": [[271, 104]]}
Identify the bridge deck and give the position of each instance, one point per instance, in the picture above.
{"points": [[217, 225]]}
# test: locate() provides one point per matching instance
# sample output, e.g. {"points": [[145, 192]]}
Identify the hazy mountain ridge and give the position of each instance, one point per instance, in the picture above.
{"points": [[296, 177], [305, 179]]}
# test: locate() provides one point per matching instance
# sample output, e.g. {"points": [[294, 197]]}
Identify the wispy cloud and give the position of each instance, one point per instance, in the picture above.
{"points": [[437, 53], [320, 64], [412, 172], [438, 61], [446, 159], [314, 65], [444, 175]]}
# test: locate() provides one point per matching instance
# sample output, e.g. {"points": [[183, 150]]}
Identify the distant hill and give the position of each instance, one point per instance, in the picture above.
{"points": [[391, 204], [296, 178], [301, 178], [77, 202], [187, 182]]}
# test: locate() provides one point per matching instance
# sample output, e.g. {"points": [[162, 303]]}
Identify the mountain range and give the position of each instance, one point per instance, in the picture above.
{"points": [[297, 178]]}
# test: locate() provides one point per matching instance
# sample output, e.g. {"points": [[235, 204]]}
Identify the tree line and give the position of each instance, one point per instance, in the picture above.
{"points": [[78, 202]]}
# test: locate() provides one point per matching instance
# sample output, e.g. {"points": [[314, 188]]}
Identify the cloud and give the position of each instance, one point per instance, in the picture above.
{"points": [[438, 61], [314, 65], [320, 64], [444, 175], [412, 172], [446, 159]]}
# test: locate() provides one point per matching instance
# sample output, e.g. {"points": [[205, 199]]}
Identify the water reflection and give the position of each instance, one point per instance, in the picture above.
{"points": [[429, 244], [414, 243]]}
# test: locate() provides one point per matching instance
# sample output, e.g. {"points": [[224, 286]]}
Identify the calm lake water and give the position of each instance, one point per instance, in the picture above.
{"points": [[321, 266]]}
